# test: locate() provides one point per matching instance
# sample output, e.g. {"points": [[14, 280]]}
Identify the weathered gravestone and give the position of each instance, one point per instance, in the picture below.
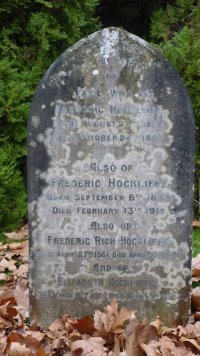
{"points": [[110, 170]]}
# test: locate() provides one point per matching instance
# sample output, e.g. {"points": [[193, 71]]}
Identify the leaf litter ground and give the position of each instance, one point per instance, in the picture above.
{"points": [[111, 332]]}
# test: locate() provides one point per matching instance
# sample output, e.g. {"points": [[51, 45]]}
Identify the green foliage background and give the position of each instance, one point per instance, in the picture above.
{"points": [[35, 32], [32, 34], [176, 32]]}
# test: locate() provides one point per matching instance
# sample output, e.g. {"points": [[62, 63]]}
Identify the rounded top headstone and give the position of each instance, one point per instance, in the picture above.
{"points": [[110, 171]]}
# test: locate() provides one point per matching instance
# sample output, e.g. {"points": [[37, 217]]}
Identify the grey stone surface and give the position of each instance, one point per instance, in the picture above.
{"points": [[110, 172]]}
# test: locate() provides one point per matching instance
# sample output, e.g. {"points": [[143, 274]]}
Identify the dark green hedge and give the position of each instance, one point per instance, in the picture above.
{"points": [[176, 32], [32, 34]]}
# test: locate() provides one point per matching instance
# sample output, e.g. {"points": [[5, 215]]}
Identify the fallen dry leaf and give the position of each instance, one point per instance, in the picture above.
{"points": [[28, 341], [191, 343], [192, 331], [4, 323], [112, 320], [138, 332], [17, 349], [74, 335], [197, 316], [152, 349], [19, 249], [57, 344], [182, 331], [18, 234], [156, 323], [6, 293], [8, 308], [116, 349], [56, 327], [4, 277], [15, 246], [22, 271], [92, 346], [168, 348], [3, 247], [195, 298], [7, 264], [22, 297], [25, 251], [4, 309], [196, 223], [196, 268], [85, 325], [38, 335], [3, 344]]}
